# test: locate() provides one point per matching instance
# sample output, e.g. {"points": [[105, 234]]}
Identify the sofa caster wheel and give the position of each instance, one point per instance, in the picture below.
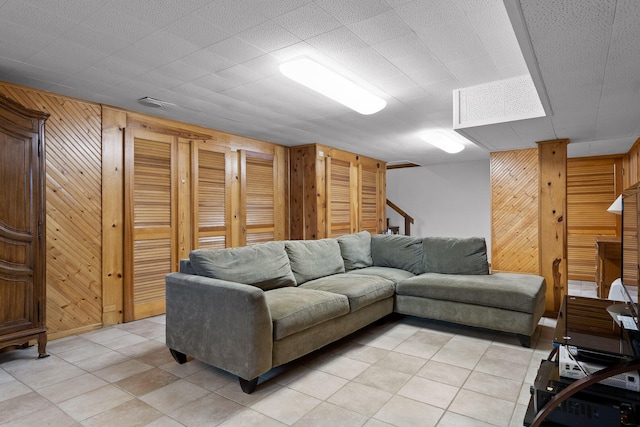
{"points": [[178, 357], [248, 386], [525, 340]]}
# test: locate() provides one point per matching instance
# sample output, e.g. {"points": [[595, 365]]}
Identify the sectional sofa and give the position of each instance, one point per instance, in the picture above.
{"points": [[246, 310]]}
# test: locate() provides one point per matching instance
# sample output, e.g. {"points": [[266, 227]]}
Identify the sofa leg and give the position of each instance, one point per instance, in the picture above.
{"points": [[525, 340], [177, 356], [248, 386]]}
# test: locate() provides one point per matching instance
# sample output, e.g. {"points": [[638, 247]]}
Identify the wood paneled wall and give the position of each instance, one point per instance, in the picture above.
{"points": [[74, 208], [514, 211], [593, 183]]}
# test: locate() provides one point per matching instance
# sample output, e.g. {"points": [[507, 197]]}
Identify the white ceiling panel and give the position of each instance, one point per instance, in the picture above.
{"points": [[218, 60]]}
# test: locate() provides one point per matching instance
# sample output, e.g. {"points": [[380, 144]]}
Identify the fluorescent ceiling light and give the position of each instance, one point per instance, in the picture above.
{"points": [[332, 85], [443, 141]]}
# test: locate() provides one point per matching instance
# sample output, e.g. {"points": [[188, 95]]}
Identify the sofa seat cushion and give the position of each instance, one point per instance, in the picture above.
{"points": [[296, 309], [510, 291], [393, 274], [360, 289]]}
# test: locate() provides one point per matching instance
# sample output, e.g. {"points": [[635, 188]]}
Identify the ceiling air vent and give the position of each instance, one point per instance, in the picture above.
{"points": [[154, 103]]}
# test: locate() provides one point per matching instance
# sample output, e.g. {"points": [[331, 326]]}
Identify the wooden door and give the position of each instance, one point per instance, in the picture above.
{"points": [[212, 180], [593, 183], [258, 184], [150, 220], [371, 175], [341, 197], [22, 226]]}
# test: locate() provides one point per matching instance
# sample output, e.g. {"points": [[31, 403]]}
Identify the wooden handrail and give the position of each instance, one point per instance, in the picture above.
{"points": [[408, 219]]}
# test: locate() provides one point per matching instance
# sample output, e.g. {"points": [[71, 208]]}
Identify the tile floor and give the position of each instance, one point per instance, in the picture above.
{"points": [[405, 372]]}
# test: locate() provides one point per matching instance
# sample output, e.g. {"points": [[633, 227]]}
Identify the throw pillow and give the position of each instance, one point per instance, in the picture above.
{"points": [[451, 255], [311, 259], [356, 250], [265, 265], [397, 251]]}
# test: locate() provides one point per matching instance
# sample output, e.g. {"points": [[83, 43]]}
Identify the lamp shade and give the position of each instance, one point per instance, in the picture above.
{"points": [[616, 206]]}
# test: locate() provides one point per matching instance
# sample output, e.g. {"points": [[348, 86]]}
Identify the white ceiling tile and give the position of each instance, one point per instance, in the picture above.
{"points": [[232, 16], [421, 14], [214, 83], [409, 45], [452, 41], [35, 18], [272, 9], [381, 27], [239, 74], [337, 42], [197, 30], [107, 42], [207, 60], [120, 67], [474, 71], [308, 21], [159, 12], [182, 70], [268, 37], [349, 12], [75, 10], [236, 50], [108, 20], [66, 57], [20, 42]]}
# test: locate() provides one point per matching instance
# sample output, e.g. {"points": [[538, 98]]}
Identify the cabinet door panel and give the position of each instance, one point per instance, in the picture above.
{"points": [[150, 222], [342, 203], [257, 194], [212, 183]]}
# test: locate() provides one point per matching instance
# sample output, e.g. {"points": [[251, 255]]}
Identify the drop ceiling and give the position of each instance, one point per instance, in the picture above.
{"points": [[216, 64]]}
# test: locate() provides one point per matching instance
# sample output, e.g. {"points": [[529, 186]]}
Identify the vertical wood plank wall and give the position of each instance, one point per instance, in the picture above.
{"points": [[74, 208], [514, 211], [593, 183]]}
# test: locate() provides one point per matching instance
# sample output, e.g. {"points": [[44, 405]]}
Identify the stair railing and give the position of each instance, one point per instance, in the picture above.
{"points": [[408, 219]]}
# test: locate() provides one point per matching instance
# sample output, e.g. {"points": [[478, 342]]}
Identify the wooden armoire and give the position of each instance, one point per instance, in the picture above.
{"points": [[22, 227], [335, 192]]}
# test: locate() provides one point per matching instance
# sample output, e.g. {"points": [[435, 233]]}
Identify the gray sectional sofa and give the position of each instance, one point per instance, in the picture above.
{"points": [[247, 310]]}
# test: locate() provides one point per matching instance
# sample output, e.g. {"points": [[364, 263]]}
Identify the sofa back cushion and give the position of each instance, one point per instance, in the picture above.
{"points": [[311, 259], [452, 255], [356, 250], [265, 265], [397, 251]]}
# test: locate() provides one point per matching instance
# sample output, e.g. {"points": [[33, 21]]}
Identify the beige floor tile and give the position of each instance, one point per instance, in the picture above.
{"points": [[66, 344], [122, 370], [457, 357], [360, 398], [444, 373], [286, 405], [428, 391], [383, 379], [147, 347], [147, 381], [173, 396], [67, 389], [5, 377], [51, 416], [101, 361], [318, 384], [400, 330], [105, 334], [251, 418], [468, 345], [124, 341], [341, 366], [185, 369], [376, 423], [164, 421], [517, 419], [232, 391], [417, 349], [381, 341], [510, 354], [401, 362], [11, 389], [43, 372], [21, 406], [364, 353], [328, 415], [88, 351], [133, 413], [499, 368], [451, 419], [212, 378], [401, 412], [94, 402], [210, 409], [145, 328], [492, 385], [431, 337], [482, 407]]}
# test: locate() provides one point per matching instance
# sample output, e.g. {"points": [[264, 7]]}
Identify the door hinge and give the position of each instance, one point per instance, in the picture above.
{"points": [[39, 146], [39, 229]]}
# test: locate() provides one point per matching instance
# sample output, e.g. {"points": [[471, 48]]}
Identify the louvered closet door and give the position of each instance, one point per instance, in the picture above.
{"points": [[150, 220], [341, 197], [370, 198], [212, 196], [257, 194]]}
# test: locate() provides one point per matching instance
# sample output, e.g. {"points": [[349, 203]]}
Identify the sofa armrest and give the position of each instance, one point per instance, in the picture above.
{"points": [[225, 324]]}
